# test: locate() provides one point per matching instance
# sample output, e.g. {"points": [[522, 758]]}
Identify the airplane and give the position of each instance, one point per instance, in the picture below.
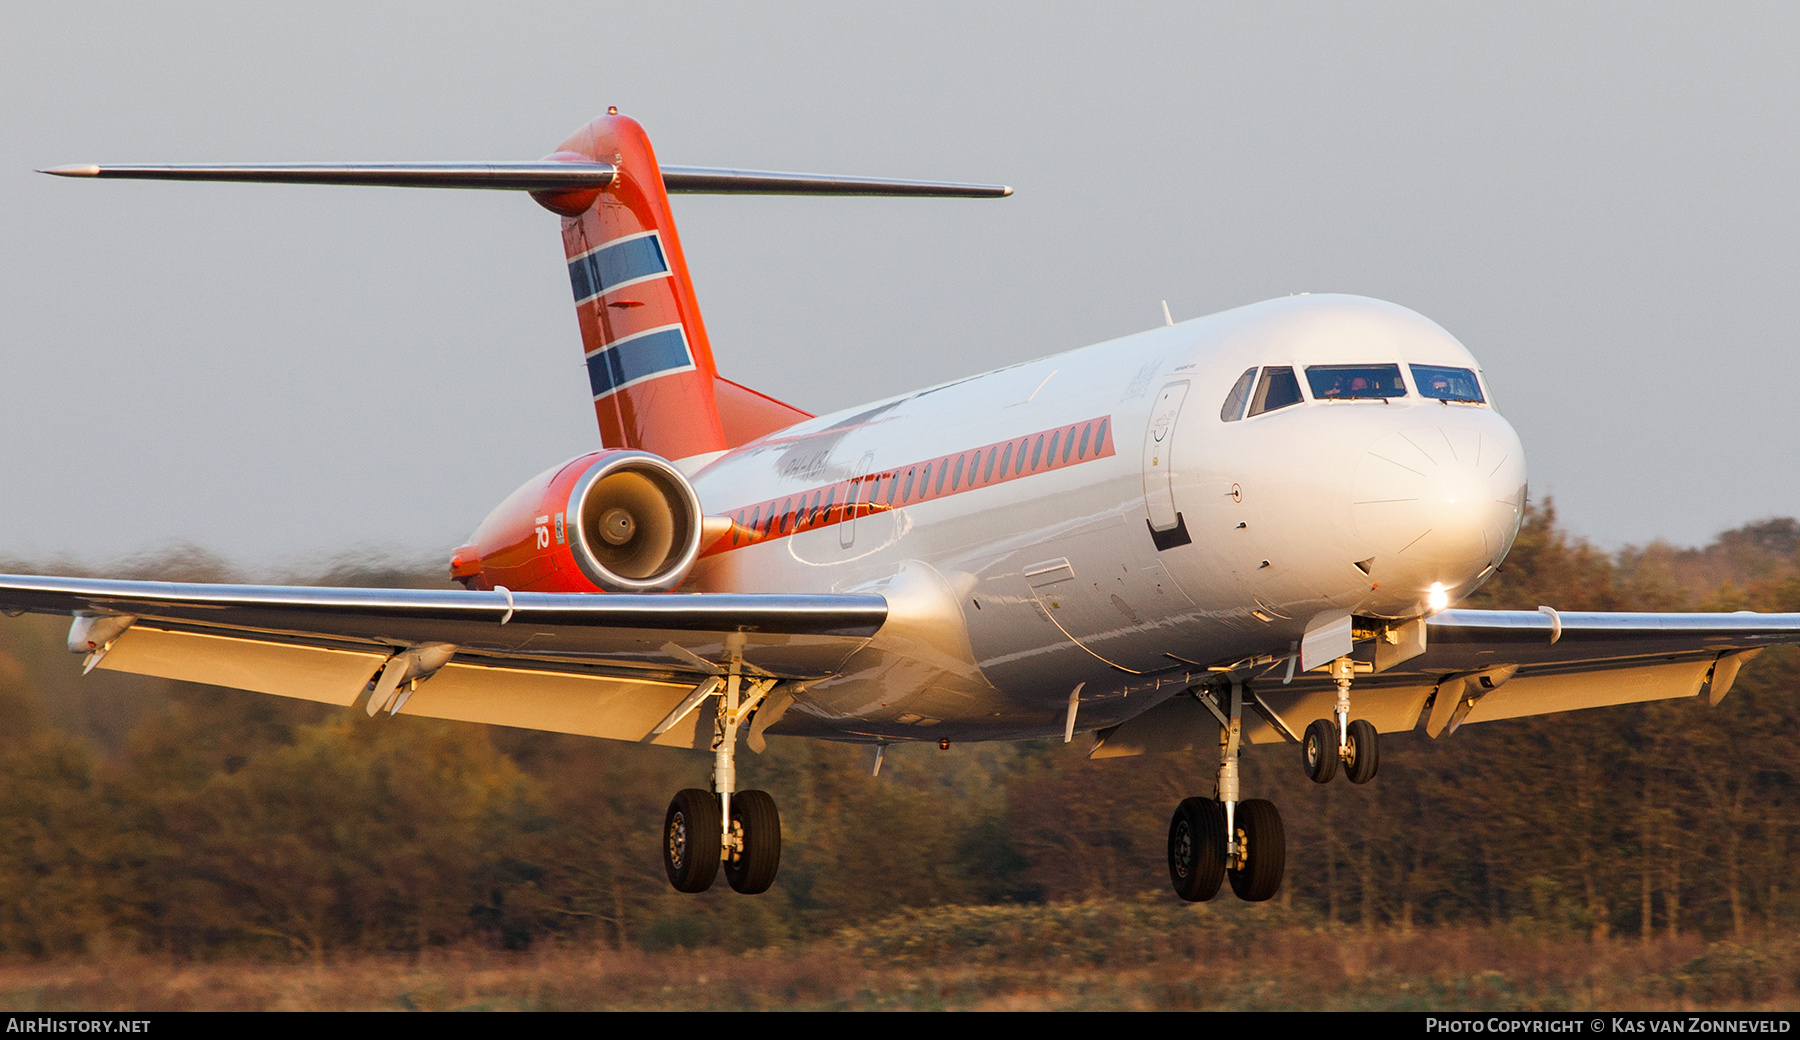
{"points": [[1248, 528]]}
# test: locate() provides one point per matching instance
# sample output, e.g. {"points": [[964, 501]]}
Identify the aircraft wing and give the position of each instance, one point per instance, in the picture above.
{"points": [[1482, 665], [620, 666]]}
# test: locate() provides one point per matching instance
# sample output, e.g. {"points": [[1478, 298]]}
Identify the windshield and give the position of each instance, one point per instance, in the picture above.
{"points": [[1447, 384], [1355, 382], [1276, 389], [1233, 408]]}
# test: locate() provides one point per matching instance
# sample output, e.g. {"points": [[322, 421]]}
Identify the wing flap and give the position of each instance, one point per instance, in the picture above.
{"points": [[558, 702], [285, 670], [1545, 694]]}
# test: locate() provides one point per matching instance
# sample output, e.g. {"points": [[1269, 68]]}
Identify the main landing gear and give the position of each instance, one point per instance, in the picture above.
{"points": [[739, 830], [1212, 840], [1354, 743]]}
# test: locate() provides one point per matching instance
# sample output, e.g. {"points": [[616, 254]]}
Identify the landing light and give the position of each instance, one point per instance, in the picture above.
{"points": [[1438, 599]]}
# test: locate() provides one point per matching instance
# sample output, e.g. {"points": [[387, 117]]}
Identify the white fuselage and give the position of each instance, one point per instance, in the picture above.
{"points": [[1008, 595]]}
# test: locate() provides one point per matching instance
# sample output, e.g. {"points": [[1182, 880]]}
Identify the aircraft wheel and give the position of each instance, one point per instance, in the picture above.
{"points": [[1197, 849], [1319, 751], [691, 840], [1363, 754], [756, 842], [1263, 856]]}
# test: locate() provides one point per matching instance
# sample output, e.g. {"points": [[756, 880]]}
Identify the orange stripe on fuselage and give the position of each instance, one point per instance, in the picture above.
{"points": [[908, 485]]}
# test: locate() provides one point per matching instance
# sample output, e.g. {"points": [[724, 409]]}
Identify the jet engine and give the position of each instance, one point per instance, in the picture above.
{"points": [[612, 521]]}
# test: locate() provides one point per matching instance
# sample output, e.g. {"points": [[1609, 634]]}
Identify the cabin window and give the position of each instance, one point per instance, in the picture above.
{"points": [[1086, 432], [1276, 389], [956, 477], [1233, 408], [943, 471], [1447, 384], [1051, 457], [1037, 452], [1005, 460]]}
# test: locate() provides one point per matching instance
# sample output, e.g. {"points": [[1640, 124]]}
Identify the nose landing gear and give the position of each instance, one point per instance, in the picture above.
{"points": [[1210, 840], [1354, 743], [1319, 751]]}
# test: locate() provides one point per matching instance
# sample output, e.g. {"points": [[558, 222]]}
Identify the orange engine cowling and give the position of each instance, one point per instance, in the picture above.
{"points": [[611, 521]]}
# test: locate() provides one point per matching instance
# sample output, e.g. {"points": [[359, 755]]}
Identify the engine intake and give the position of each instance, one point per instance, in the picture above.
{"points": [[616, 521], [636, 523]]}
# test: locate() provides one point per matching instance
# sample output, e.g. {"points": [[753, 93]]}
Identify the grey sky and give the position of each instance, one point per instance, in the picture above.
{"points": [[1599, 201]]}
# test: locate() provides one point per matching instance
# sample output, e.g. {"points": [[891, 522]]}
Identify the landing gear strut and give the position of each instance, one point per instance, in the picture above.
{"points": [[1327, 743], [1210, 840], [739, 829]]}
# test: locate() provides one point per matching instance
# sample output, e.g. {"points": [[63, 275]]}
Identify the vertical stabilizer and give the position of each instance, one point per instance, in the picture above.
{"points": [[649, 364]]}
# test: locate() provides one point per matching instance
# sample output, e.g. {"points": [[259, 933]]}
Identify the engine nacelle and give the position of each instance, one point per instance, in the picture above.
{"points": [[611, 521]]}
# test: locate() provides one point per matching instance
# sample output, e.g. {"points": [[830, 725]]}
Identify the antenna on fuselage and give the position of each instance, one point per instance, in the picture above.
{"points": [[1168, 319]]}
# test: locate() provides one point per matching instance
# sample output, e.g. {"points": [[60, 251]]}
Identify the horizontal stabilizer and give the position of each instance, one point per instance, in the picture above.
{"points": [[705, 180], [514, 176], [551, 175]]}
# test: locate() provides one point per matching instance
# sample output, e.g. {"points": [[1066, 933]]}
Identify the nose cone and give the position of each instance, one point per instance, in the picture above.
{"points": [[1441, 501]]}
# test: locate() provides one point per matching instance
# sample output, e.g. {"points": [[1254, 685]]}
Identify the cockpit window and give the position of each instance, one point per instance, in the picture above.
{"points": [[1233, 409], [1355, 382], [1276, 389], [1447, 384]]}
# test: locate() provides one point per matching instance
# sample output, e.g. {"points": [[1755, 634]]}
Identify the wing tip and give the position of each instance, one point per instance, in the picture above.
{"points": [[73, 170]]}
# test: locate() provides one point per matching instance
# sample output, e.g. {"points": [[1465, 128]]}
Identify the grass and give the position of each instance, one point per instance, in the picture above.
{"points": [[1113, 955]]}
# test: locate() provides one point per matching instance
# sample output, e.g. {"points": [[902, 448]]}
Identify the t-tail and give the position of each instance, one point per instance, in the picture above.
{"points": [[650, 365]]}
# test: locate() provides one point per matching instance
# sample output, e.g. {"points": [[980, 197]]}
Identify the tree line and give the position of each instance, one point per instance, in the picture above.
{"points": [[139, 814]]}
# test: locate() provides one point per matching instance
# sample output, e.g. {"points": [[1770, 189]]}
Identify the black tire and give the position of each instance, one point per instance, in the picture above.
{"points": [[1264, 859], [1197, 849], [1364, 753], [1319, 751], [751, 864], [691, 840]]}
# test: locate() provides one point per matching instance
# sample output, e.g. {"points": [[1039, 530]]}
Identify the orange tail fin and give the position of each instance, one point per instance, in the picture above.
{"points": [[650, 365]]}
